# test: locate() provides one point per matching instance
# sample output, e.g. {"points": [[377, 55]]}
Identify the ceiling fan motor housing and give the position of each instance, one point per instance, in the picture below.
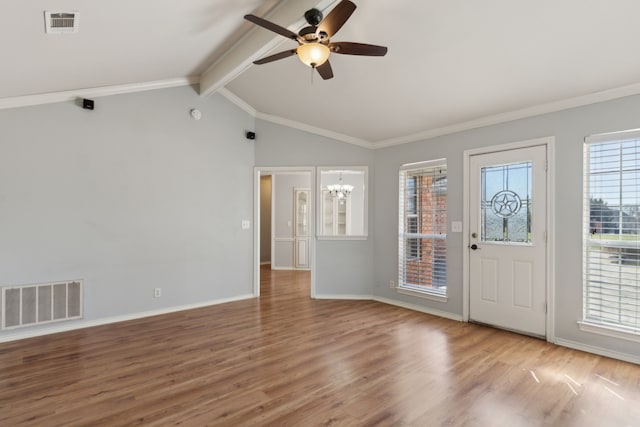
{"points": [[313, 16]]}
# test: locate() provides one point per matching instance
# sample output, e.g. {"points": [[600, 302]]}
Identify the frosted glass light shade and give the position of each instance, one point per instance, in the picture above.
{"points": [[313, 54]]}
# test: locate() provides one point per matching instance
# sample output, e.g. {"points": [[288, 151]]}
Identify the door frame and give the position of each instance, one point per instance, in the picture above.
{"points": [[549, 143], [274, 171]]}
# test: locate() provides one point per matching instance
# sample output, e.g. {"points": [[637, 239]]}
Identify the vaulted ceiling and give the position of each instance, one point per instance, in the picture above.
{"points": [[451, 65]]}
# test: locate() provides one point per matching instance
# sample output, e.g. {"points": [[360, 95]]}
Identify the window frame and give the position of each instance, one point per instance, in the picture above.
{"points": [[590, 322], [408, 210]]}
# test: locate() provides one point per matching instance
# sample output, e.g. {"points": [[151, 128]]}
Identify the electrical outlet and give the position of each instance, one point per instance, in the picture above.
{"points": [[157, 292], [392, 284]]}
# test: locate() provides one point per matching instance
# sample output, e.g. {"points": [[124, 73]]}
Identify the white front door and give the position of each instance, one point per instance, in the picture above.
{"points": [[507, 241]]}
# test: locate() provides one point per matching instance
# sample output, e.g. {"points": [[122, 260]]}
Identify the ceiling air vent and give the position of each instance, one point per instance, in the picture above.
{"points": [[61, 22]]}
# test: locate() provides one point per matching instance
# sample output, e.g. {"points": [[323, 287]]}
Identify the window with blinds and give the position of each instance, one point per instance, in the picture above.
{"points": [[423, 227], [612, 230]]}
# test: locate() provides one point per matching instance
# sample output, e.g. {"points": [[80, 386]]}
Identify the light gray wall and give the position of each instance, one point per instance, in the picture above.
{"points": [[569, 129], [342, 267], [129, 197]]}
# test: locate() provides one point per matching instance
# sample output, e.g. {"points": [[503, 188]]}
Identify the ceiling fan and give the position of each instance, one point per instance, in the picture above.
{"points": [[314, 45]]}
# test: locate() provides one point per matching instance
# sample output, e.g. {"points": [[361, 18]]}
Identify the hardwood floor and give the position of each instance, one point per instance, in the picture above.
{"points": [[286, 360]]}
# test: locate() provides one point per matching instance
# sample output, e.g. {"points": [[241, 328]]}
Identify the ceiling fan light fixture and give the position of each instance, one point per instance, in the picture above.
{"points": [[313, 54]]}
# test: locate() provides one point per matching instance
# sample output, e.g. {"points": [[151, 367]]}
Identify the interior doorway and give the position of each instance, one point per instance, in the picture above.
{"points": [[265, 219], [284, 241]]}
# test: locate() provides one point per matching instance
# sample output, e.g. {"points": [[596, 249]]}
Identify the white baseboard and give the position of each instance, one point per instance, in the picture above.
{"points": [[632, 358], [345, 297], [389, 301], [115, 319], [81, 324], [419, 308]]}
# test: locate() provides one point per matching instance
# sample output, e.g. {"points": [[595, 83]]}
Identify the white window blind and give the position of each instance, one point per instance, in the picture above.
{"points": [[422, 250], [612, 230]]}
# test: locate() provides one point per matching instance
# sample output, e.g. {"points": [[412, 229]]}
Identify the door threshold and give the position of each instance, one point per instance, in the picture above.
{"points": [[515, 331]]}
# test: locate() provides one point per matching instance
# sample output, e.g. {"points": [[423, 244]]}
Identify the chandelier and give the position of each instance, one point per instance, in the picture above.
{"points": [[340, 191]]}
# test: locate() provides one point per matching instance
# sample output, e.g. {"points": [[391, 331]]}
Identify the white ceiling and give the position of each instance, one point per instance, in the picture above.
{"points": [[451, 64]]}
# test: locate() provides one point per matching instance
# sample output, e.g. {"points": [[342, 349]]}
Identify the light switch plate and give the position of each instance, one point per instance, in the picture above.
{"points": [[246, 224], [456, 226]]}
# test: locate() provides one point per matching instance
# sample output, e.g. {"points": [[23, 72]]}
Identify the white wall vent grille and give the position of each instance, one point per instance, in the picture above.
{"points": [[41, 303], [61, 22]]}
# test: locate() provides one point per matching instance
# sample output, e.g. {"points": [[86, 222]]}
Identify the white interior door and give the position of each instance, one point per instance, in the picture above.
{"points": [[301, 232], [507, 242]]}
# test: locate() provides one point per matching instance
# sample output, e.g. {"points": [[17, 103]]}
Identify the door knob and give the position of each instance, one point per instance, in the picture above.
{"points": [[474, 247]]}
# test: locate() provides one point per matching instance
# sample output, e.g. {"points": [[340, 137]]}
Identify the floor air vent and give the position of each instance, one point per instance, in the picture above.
{"points": [[61, 22], [42, 303]]}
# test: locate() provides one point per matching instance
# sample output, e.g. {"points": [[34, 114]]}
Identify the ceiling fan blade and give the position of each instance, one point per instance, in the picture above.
{"points": [[349, 48], [325, 71], [275, 57], [336, 18], [271, 26]]}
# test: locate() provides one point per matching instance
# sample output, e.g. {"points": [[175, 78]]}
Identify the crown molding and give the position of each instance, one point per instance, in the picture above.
{"points": [[95, 92], [246, 107], [239, 102], [537, 110], [314, 130], [565, 104], [551, 107]]}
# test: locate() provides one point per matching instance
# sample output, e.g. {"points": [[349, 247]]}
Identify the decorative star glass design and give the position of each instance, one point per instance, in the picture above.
{"points": [[506, 203]]}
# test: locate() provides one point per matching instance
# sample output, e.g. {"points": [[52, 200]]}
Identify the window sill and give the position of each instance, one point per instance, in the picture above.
{"points": [[610, 331], [422, 294]]}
